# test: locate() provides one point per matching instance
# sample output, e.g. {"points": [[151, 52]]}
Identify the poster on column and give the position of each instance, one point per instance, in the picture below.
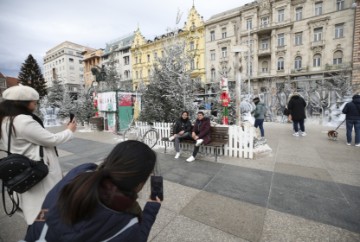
{"points": [[107, 101]]}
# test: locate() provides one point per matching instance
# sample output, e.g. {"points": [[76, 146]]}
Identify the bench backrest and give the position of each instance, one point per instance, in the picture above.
{"points": [[219, 133]]}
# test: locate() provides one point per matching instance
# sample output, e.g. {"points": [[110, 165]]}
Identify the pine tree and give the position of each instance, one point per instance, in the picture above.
{"points": [[30, 75], [56, 94], [112, 77], [67, 106], [170, 89], [84, 107]]}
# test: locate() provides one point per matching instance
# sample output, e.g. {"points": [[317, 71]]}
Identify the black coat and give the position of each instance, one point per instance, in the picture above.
{"points": [[182, 124], [352, 109], [296, 108]]}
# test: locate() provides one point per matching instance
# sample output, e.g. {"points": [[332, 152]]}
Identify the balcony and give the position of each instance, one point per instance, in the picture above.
{"points": [[264, 52], [342, 66], [319, 43], [300, 70]]}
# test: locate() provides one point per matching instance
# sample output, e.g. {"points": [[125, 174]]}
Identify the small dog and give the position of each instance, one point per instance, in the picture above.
{"points": [[333, 135]]}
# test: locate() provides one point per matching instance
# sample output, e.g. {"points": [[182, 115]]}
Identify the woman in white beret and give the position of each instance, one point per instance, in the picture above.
{"points": [[28, 134]]}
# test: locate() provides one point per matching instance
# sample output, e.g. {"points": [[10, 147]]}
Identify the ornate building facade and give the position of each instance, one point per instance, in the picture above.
{"points": [[145, 52], [90, 60]]}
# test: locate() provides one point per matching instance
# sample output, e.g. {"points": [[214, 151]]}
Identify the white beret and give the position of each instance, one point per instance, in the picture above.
{"points": [[21, 93]]}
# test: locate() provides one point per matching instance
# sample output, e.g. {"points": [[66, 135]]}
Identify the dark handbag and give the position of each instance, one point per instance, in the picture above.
{"points": [[19, 174]]}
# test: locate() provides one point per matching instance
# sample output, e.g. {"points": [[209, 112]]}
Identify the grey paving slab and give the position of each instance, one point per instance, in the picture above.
{"points": [[336, 212], [352, 195], [301, 160], [303, 171], [241, 183], [307, 185], [234, 217], [284, 227], [348, 178], [183, 229]]}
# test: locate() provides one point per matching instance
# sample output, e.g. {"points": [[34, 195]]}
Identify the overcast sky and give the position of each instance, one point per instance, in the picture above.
{"points": [[35, 26]]}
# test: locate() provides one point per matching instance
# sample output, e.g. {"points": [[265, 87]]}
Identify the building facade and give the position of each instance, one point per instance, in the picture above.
{"points": [[90, 60], [145, 52], [285, 41], [65, 63], [356, 48]]}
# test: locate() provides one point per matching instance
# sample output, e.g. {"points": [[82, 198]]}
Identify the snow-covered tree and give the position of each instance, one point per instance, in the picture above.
{"points": [[30, 75], [67, 106], [84, 107], [170, 90], [56, 94], [112, 77]]}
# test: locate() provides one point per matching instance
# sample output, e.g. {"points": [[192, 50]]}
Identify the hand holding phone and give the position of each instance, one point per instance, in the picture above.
{"points": [[156, 183]]}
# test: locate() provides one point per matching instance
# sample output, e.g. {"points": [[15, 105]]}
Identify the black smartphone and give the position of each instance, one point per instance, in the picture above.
{"points": [[156, 183], [71, 117]]}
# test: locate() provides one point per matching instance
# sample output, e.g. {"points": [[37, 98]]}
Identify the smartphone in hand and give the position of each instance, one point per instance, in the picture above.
{"points": [[71, 117], [156, 183]]}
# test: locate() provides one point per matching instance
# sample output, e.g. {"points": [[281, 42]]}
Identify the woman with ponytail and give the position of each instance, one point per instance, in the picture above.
{"points": [[98, 203], [28, 134]]}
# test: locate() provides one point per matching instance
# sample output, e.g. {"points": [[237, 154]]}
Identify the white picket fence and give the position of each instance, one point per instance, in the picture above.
{"points": [[241, 140]]}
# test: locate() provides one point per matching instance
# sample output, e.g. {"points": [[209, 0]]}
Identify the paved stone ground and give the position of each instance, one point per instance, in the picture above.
{"points": [[306, 189]]}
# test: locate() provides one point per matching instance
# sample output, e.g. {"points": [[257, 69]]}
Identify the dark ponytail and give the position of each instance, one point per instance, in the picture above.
{"points": [[129, 164]]}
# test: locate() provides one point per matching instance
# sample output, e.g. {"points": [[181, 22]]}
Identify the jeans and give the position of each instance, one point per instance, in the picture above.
{"points": [[296, 124], [349, 126], [259, 123], [178, 139]]}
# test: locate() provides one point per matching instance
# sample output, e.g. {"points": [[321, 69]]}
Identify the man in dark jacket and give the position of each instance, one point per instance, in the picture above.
{"points": [[259, 115], [182, 130], [352, 111], [200, 133], [296, 107]]}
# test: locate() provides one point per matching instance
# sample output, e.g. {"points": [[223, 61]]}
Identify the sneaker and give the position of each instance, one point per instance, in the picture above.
{"points": [[199, 142], [177, 155], [296, 134], [348, 143], [190, 159], [171, 138], [357, 145], [303, 134]]}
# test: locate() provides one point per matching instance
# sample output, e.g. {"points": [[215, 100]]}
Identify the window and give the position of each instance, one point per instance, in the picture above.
{"points": [[223, 33], [148, 58], [155, 55], [248, 24], [264, 21], [212, 35], [338, 55], [317, 60], [148, 72], [281, 15], [339, 5], [213, 74], [137, 74], [339, 31], [224, 52], [192, 45], [126, 74], [298, 63], [264, 44], [280, 64], [264, 67], [71, 60], [318, 34], [298, 14], [281, 39], [298, 38], [318, 8], [136, 60], [71, 67], [126, 60], [212, 55], [192, 64]]}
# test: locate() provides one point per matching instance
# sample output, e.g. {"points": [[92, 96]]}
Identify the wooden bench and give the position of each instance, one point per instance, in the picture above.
{"points": [[219, 138]]}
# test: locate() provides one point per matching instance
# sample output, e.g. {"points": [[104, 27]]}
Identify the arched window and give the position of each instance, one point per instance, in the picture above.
{"points": [[213, 74], [317, 60], [338, 56], [298, 63], [280, 64], [264, 67]]}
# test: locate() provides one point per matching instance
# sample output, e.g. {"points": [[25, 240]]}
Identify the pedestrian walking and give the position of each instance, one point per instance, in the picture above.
{"points": [[98, 202], [200, 133], [28, 135], [352, 111], [296, 107], [259, 115]]}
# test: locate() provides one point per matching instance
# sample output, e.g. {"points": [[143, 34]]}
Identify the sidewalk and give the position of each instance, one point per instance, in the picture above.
{"points": [[306, 189]]}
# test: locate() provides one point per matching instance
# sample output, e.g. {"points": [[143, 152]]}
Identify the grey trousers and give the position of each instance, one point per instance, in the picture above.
{"points": [[178, 139]]}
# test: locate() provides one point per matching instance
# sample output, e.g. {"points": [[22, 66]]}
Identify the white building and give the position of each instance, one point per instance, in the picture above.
{"points": [[64, 62]]}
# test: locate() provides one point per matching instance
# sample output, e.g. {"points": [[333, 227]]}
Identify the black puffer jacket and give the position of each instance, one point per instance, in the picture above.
{"points": [[296, 107], [182, 125], [352, 109]]}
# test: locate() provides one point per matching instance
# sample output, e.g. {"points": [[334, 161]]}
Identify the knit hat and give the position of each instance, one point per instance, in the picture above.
{"points": [[256, 99], [21, 93]]}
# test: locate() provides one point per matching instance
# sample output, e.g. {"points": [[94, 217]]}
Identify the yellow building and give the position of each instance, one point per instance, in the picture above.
{"points": [[144, 52]]}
